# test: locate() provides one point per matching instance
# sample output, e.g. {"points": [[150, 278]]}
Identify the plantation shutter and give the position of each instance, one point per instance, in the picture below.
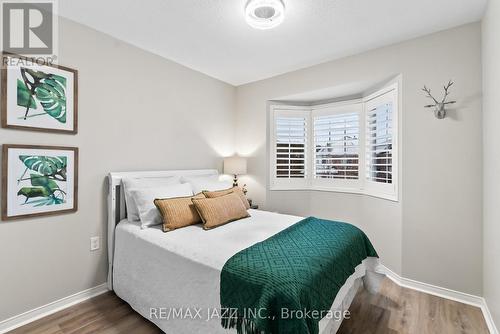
{"points": [[349, 146], [336, 146], [290, 146], [380, 140]]}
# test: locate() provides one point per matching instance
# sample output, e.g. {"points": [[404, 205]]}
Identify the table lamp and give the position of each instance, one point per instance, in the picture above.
{"points": [[235, 166]]}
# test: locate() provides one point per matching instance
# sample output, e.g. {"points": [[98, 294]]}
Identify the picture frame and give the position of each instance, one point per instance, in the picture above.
{"points": [[38, 180], [38, 97]]}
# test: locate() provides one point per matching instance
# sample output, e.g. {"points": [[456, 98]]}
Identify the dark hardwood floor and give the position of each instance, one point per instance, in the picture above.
{"points": [[393, 310]]}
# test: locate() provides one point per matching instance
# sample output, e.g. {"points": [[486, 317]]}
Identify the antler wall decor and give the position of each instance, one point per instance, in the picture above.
{"points": [[439, 107]]}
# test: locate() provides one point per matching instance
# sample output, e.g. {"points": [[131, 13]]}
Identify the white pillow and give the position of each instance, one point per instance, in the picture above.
{"points": [[144, 199], [142, 183], [210, 183]]}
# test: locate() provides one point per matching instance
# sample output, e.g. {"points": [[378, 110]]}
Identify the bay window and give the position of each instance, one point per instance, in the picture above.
{"points": [[349, 146]]}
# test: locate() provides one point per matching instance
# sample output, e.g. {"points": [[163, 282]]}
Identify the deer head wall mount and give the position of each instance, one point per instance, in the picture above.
{"points": [[439, 107]]}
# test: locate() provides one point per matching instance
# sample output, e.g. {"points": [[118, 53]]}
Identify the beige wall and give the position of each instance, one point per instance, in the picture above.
{"points": [[434, 234], [491, 137], [137, 111]]}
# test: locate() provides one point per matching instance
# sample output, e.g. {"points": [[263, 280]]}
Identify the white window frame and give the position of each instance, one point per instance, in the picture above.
{"points": [[377, 189], [389, 191], [289, 183], [354, 106]]}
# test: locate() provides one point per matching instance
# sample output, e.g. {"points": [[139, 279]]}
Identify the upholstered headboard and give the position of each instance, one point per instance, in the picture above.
{"points": [[116, 202]]}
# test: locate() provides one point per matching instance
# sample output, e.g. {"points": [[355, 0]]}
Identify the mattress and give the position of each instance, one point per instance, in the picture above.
{"points": [[172, 279]]}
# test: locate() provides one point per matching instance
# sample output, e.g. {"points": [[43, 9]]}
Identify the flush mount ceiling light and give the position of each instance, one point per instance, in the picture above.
{"points": [[264, 14]]}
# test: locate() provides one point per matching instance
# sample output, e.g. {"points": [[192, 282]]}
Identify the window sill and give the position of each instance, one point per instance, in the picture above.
{"points": [[388, 197]]}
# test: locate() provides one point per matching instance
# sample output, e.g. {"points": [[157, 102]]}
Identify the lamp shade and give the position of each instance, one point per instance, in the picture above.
{"points": [[235, 165]]}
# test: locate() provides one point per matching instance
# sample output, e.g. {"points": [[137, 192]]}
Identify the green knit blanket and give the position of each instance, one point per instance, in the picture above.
{"points": [[287, 283]]}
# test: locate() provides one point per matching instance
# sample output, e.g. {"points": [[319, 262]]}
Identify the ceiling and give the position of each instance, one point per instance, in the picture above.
{"points": [[211, 36]]}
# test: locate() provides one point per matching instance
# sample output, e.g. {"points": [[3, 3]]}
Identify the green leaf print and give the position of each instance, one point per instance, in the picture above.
{"points": [[46, 175], [31, 192], [43, 181], [24, 98], [45, 165], [47, 89]]}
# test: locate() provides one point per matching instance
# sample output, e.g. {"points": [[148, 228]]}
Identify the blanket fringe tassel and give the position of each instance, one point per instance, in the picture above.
{"points": [[242, 325]]}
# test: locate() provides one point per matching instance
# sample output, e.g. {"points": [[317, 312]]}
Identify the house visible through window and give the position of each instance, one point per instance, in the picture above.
{"points": [[336, 145], [349, 146]]}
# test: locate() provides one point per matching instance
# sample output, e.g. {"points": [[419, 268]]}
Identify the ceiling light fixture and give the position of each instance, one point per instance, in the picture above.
{"points": [[264, 14]]}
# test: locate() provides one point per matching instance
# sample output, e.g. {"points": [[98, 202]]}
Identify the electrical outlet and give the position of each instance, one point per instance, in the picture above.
{"points": [[94, 243]]}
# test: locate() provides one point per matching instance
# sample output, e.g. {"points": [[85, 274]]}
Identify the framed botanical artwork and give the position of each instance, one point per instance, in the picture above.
{"points": [[38, 97], [38, 180]]}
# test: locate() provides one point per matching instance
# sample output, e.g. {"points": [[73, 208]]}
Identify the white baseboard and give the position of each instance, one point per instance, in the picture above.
{"points": [[461, 297], [489, 319], [45, 310]]}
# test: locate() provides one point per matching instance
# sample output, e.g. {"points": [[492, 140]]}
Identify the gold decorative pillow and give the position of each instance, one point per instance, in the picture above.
{"points": [[220, 210], [178, 212], [236, 190]]}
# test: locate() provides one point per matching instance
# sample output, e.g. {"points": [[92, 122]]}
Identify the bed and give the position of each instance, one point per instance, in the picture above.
{"points": [[172, 279]]}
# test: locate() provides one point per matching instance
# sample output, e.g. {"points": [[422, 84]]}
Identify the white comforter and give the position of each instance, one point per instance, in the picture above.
{"points": [[172, 278]]}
